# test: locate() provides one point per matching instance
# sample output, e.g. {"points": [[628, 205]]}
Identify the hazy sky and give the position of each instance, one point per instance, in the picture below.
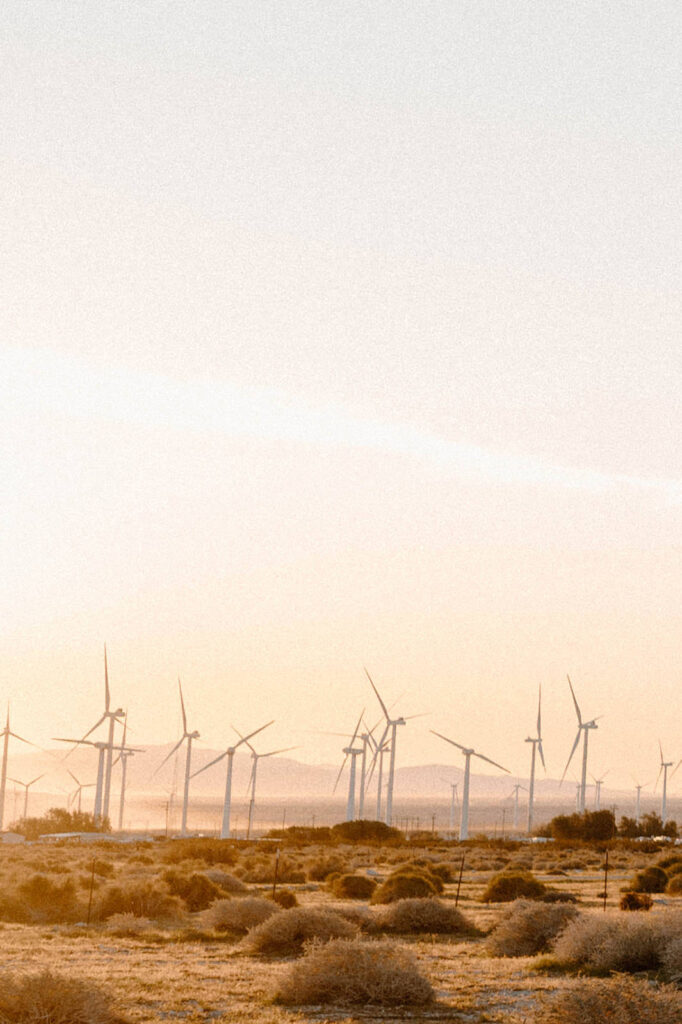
{"points": [[344, 333]]}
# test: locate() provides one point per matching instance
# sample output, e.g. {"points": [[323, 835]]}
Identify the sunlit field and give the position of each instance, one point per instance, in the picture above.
{"points": [[176, 929]]}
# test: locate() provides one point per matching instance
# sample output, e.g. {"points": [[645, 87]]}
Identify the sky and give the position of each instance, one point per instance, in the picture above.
{"points": [[340, 335]]}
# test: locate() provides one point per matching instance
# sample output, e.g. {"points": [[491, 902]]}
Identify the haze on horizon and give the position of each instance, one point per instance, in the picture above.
{"points": [[344, 335]]}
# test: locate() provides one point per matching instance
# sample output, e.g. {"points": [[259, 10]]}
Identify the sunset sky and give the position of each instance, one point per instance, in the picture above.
{"points": [[344, 334]]}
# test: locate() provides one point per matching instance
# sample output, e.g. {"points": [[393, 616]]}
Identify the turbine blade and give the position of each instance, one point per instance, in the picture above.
{"points": [[37, 779], [210, 764], [255, 732], [661, 750], [77, 781], [570, 756], [577, 709], [539, 711], [447, 740], [283, 750], [338, 777], [125, 729], [542, 756], [484, 758], [169, 755], [17, 737], [182, 708], [352, 741], [95, 726], [107, 695], [383, 706]]}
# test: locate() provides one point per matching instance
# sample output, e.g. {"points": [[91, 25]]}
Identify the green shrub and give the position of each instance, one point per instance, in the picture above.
{"points": [[353, 972], [404, 886], [513, 885], [286, 932], [353, 887], [528, 927]]}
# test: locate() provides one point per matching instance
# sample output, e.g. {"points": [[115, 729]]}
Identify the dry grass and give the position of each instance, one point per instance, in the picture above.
{"points": [[47, 998], [603, 943], [351, 972], [285, 934], [618, 1001], [527, 928], [128, 925]]}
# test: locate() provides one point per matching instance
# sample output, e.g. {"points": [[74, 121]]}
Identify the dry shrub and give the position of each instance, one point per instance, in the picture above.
{"points": [[263, 872], [672, 959], [350, 971], [618, 1001], [674, 886], [353, 887], [423, 869], [513, 885], [143, 899], [211, 851], [127, 925], [360, 916], [238, 916], [228, 883], [48, 998], [319, 869], [635, 901], [404, 886], [285, 898], [412, 917], [652, 879], [601, 943], [40, 900], [285, 934], [527, 928], [196, 891]]}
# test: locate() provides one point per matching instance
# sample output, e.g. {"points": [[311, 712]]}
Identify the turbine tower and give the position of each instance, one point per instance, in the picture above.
{"points": [[123, 755], [101, 747], [638, 789], [27, 786], [453, 804], [77, 793], [584, 728], [225, 832], [664, 795], [6, 733], [515, 794], [597, 790], [112, 717], [392, 725], [468, 752], [536, 742], [190, 737]]}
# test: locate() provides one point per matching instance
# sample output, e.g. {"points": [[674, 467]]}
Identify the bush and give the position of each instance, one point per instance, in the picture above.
{"points": [[284, 898], [318, 870], [672, 959], [40, 900], [228, 883], [651, 879], [618, 1001], [412, 917], [602, 943], [196, 891], [404, 886], [513, 885], [635, 901], [143, 899], [211, 851], [127, 925], [284, 934], [238, 916], [527, 928], [674, 886], [48, 998], [353, 887], [413, 868], [352, 972], [364, 831]]}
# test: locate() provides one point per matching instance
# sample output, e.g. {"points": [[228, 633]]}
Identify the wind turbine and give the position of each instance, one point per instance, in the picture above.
{"points": [[381, 747], [101, 747], [252, 781], [584, 728], [468, 752], [392, 725], [454, 798], [515, 793], [664, 795], [536, 742], [638, 788], [77, 793], [27, 786], [124, 754], [229, 754], [112, 717], [6, 733], [190, 737], [353, 753], [597, 790]]}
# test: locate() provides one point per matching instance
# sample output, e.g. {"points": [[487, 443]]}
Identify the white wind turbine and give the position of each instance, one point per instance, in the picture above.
{"points": [[6, 733], [77, 793], [255, 757], [454, 800], [515, 794], [664, 794], [597, 790], [380, 748], [536, 741], [26, 786], [229, 754], [584, 728], [123, 755], [101, 747], [392, 727], [639, 786], [353, 753], [468, 752], [190, 737], [103, 793]]}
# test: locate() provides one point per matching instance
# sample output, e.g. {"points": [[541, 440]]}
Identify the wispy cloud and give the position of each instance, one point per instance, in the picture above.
{"points": [[39, 383]]}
